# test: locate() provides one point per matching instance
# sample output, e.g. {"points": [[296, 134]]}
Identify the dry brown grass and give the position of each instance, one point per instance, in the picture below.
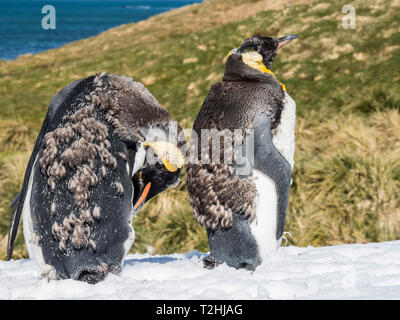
{"points": [[15, 134], [346, 179], [12, 169]]}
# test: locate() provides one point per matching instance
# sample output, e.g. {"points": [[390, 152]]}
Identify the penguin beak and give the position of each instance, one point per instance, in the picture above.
{"points": [[151, 180], [285, 40], [143, 196], [142, 188]]}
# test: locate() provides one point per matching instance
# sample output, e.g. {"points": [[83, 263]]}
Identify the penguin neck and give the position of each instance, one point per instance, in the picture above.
{"points": [[237, 70]]}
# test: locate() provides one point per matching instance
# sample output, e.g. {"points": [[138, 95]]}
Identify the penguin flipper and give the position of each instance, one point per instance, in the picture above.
{"points": [[270, 162], [18, 202], [13, 203]]}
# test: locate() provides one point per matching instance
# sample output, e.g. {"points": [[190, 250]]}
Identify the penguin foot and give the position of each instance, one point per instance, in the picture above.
{"points": [[91, 277], [210, 263]]}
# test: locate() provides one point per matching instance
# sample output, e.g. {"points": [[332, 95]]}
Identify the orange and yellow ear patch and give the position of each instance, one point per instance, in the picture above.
{"points": [[227, 56], [169, 154], [254, 60]]}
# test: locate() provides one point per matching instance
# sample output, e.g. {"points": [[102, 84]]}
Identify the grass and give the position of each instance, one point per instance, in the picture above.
{"points": [[345, 83], [346, 190]]}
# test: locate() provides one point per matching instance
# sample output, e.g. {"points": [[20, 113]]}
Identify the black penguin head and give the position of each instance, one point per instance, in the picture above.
{"points": [[258, 49], [161, 170], [158, 178]]}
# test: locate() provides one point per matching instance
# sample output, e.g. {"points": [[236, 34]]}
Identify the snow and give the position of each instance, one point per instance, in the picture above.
{"points": [[357, 271]]}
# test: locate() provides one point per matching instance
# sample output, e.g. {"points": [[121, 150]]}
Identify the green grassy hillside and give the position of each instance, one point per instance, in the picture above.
{"points": [[346, 84]]}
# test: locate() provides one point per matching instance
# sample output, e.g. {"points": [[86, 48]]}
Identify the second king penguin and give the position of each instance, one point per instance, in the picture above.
{"points": [[242, 203]]}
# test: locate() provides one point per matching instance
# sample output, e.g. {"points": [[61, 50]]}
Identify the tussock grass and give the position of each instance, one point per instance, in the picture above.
{"points": [[346, 180], [12, 170], [15, 134]]}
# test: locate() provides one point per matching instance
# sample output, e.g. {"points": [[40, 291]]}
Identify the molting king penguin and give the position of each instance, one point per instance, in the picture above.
{"points": [[105, 148], [243, 204]]}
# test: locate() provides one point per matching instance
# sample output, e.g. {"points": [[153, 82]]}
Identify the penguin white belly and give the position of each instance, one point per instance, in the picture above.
{"points": [[131, 238], [283, 138], [34, 251], [264, 226], [139, 160], [129, 242]]}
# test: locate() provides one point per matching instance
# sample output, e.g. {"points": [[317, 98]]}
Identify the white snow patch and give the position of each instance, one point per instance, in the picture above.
{"points": [[357, 271]]}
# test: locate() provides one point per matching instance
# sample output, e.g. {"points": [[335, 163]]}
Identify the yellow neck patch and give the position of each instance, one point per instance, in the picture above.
{"points": [[254, 60]]}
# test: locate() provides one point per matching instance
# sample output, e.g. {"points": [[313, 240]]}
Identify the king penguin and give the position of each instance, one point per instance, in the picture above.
{"points": [[106, 147], [243, 204]]}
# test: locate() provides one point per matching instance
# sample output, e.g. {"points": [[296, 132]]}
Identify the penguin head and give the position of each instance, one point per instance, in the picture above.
{"points": [[258, 52], [161, 169], [152, 180]]}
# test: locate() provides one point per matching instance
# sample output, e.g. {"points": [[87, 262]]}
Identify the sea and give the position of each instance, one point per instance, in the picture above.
{"points": [[25, 29]]}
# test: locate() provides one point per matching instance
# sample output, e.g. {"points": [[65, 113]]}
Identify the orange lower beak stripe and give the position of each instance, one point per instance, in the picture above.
{"points": [[143, 196]]}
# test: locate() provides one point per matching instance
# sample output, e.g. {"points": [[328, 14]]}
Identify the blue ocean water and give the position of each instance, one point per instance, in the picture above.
{"points": [[21, 21]]}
